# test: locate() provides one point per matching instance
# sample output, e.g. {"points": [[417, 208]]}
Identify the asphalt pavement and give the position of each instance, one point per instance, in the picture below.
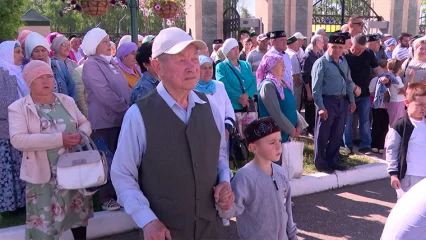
{"points": [[355, 213]]}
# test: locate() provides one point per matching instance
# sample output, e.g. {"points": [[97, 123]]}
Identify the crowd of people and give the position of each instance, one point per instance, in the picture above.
{"points": [[165, 108]]}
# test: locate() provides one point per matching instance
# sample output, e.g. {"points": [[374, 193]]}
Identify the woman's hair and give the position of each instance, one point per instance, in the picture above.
{"points": [[418, 42], [414, 90], [144, 55], [394, 65]]}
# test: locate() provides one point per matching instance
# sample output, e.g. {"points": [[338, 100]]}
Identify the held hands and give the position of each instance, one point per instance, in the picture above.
{"points": [[243, 100], [155, 230], [395, 183], [352, 107], [223, 195], [323, 114], [71, 139]]}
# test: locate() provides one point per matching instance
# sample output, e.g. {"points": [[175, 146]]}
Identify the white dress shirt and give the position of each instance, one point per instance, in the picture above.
{"points": [[288, 69], [132, 145], [221, 99]]}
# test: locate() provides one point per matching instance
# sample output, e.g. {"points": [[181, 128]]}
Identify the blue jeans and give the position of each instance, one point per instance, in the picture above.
{"points": [[363, 106]]}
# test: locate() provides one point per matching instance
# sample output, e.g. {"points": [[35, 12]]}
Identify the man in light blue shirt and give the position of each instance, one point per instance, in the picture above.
{"points": [[171, 165], [279, 46]]}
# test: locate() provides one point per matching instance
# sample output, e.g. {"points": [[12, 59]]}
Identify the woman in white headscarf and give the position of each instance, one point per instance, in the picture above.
{"points": [[37, 48], [13, 87], [108, 96]]}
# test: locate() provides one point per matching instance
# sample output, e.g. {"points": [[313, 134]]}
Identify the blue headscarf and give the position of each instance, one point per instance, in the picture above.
{"points": [[206, 87]]}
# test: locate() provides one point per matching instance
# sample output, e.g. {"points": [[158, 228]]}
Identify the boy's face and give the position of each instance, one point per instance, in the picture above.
{"points": [[417, 108], [268, 147]]}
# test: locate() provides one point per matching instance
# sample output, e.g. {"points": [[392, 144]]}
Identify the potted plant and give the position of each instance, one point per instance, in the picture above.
{"points": [[167, 9], [92, 8]]}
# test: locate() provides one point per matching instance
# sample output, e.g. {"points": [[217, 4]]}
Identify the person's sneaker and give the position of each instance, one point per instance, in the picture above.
{"points": [[375, 150], [365, 150], [110, 205], [381, 150], [349, 151]]}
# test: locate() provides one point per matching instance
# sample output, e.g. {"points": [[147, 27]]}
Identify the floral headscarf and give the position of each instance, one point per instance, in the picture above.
{"points": [[268, 62]]}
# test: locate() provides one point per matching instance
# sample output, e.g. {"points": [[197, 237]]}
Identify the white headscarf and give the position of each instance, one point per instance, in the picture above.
{"points": [[91, 40], [229, 44], [7, 62], [124, 39], [34, 40]]}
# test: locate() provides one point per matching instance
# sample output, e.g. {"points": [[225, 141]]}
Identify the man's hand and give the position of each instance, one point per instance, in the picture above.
{"points": [[357, 91], [155, 230], [223, 195], [352, 107], [297, 82], [323, 114], [395, 183]]}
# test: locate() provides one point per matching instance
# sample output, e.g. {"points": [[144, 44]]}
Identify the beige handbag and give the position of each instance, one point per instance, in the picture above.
{"points": [[82, 169]]}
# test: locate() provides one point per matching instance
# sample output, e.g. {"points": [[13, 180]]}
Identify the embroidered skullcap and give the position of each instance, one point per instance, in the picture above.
{"points": [[260, 128], [337, 38], [276, 34], [57, 42], [229, 44], [373, 37], [217, 41], [34, 40], [390, 42], [291, 40], [34, 69], [92, 39]]}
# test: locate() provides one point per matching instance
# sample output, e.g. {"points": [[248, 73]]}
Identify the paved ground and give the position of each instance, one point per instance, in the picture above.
{"points": [[355, 213]]}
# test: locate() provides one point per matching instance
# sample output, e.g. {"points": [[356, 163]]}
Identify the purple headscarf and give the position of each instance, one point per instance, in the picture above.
{"points": [[124, 50], [269, 60]]}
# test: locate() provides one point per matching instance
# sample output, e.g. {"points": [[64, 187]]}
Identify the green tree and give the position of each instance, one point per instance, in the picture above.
{"points": [[10, 18], [245, 13]]}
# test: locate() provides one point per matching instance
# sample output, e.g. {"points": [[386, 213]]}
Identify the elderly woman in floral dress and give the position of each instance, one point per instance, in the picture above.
{"points": [[43, 125]]}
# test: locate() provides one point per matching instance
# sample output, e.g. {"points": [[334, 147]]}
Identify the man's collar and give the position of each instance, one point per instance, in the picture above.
{"points": [[328, 57], [171, 102]]}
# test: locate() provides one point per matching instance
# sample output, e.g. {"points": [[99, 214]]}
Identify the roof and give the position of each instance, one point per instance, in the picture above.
{"points": [[33, 18]]}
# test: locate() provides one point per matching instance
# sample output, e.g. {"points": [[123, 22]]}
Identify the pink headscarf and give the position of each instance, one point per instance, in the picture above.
{"points": [[35, 69], [269, 60], [22, 36]]}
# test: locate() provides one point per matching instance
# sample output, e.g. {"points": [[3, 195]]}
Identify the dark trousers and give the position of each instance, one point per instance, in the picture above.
{"points": [[79, 233], [380, 128], [328, 133], [310, 113], [110, 137]]}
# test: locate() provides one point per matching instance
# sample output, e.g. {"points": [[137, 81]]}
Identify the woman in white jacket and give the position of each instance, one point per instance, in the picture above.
{"points": [[215, 92]]}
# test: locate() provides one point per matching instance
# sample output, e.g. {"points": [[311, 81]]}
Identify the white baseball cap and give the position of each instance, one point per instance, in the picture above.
{"points": [[172, 41], [299, 35]]}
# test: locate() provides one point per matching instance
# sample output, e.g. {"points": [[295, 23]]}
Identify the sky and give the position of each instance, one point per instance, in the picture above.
{"points": [[249, 4]]}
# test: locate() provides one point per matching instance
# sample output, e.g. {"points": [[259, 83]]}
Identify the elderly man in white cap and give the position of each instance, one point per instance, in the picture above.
{"points": [[301, 40], [170, 169]]}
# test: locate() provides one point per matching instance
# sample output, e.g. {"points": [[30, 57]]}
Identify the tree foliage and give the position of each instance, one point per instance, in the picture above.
{"points": [[77, 22], [10, 18], [245, 13]]}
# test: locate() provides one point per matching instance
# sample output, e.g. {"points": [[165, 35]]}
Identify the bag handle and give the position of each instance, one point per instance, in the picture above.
{"points": [[88, 142]]}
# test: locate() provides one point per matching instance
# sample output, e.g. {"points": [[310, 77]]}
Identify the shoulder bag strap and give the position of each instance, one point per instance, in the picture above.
{"points": [[243, 89], [340, 70]]}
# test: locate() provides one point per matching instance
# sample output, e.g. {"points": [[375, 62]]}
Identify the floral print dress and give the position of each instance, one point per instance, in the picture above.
{"points": [[52, 211]]}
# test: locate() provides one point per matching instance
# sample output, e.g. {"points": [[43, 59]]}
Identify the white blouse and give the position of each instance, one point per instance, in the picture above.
{"points": [[222, 101]]}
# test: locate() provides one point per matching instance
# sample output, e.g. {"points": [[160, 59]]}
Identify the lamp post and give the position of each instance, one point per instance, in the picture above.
{"points": [[133, 5]]}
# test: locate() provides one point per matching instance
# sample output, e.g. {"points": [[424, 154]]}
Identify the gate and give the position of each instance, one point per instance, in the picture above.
{"points": [[331, 14], [422, 19], [231, 20]]}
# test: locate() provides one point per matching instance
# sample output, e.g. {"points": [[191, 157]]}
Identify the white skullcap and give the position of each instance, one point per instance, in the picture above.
{"points": [[91, 40], [229, 44]]}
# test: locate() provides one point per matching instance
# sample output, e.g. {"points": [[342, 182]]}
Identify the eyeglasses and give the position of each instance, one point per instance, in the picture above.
{"points": [[359, 23]]}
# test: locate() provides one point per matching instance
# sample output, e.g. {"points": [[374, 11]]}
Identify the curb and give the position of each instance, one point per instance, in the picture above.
{"points": [[112, 223]]}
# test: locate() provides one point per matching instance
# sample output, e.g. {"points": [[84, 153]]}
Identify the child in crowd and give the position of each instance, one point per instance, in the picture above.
{"points": [[262, 192], [380, 115], [406, 141], [396, 106]]}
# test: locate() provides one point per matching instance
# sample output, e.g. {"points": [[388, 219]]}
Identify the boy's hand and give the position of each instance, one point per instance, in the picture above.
{"points": [[395, 183], [223, 195]]}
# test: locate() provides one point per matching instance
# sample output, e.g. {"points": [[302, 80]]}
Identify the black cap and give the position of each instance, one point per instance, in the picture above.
{"points": [[337, 38], [276, 34], [72, 36], [244, 31], [347, 35], [291, 40], [260, 128], [217, 41], [373, 37], [253, 34]]}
